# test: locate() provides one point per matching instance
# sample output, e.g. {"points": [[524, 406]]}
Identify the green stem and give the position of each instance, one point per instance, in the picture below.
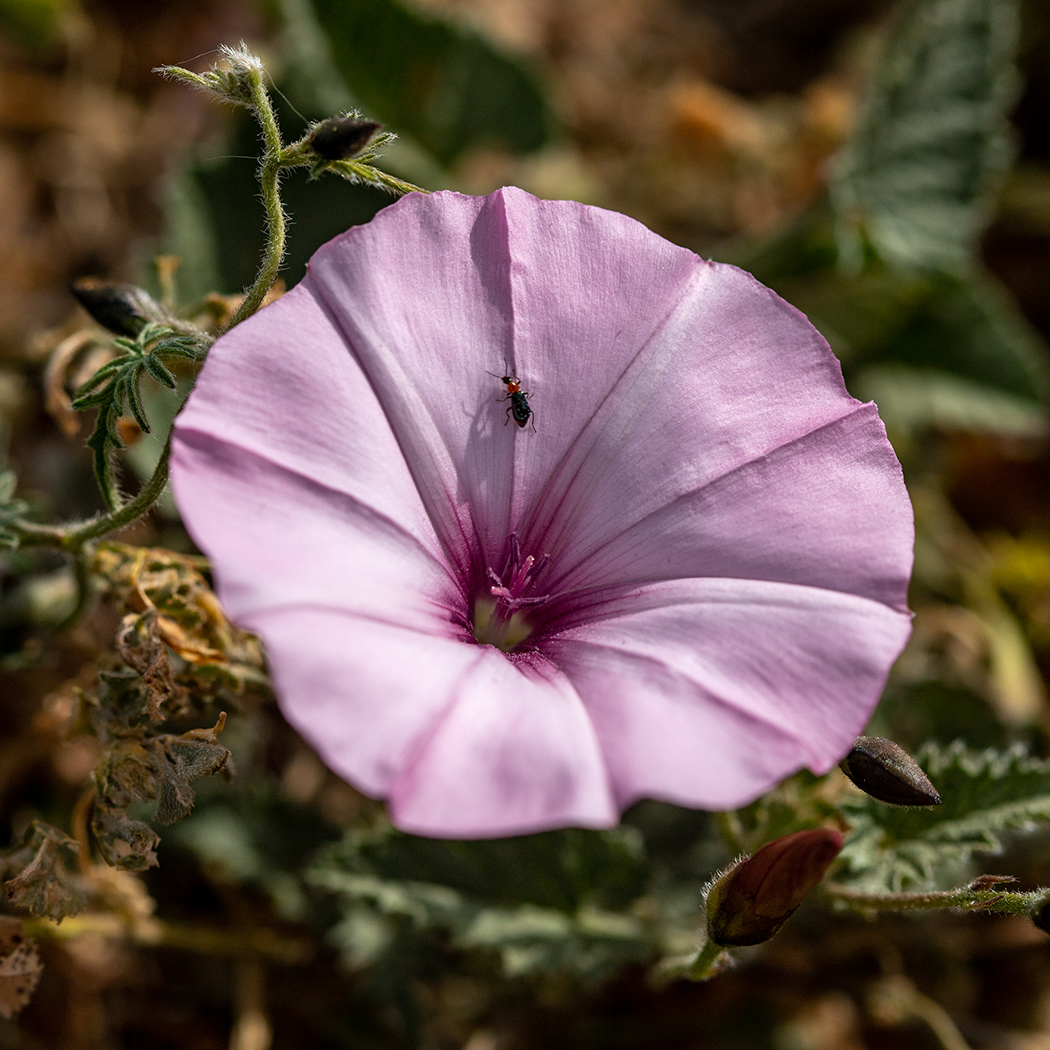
{"points": [[73, 537], [269, 180], [708, 962], [964, 897]]}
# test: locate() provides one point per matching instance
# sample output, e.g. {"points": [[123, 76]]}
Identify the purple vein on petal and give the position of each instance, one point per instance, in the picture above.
{"points": [[578, 459], [595, 553], [709, 695], [380, 518]]}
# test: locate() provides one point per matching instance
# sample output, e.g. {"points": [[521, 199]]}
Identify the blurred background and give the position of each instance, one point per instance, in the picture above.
{"points": [[885, 166]]}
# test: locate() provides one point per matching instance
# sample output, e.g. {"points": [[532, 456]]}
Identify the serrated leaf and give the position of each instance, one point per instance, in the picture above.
{"points": [[557, 869], [176, 761], [984, 794], [932, 136], [528, 938], [543, 902], [963, 353], [114, 390], [443, 85]]}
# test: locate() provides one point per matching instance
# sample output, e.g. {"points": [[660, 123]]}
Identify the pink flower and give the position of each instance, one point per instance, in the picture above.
{"points": [[687, 583]]}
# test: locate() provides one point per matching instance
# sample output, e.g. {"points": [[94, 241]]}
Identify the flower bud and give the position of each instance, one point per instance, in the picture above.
{"points": [[1040, 914], [122, 308], [751, 901], [887, 772], [342, 138]]}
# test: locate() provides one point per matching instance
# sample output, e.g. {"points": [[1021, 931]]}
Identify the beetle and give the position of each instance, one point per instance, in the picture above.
{"points": [[519, 406]]}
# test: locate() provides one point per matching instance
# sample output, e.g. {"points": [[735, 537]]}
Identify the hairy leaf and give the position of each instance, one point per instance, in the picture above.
{"points": [[40, 874], [984, 794], [932, 136], [123, 841], [556, 869], [114, 390], [543, 902], [11, 508], [527, 938]]}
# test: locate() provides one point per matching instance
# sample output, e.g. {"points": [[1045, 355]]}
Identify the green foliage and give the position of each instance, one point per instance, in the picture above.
{"points": [[40, 874], [36, 24], [984, 793], [550, 902], [913, 184], [890, 274], [11, 508], [446, 87], [114, 390]]}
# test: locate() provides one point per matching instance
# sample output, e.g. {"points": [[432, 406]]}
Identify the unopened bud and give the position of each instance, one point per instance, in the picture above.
{"points": [[751, 901], [342, 138], [887, 772], [1040, 914], [122, 308]]}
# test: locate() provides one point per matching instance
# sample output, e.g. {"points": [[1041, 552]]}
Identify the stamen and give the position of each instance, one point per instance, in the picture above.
{"points": [[500, 623]]}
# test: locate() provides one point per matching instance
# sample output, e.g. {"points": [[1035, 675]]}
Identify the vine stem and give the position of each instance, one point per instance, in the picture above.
{"points": [[709, 960], [965, 898], [73, 537], [204, 940], [269, 180]]}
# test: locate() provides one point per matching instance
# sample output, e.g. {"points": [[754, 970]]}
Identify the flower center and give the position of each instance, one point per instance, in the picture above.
{"points": [[501, 619]]}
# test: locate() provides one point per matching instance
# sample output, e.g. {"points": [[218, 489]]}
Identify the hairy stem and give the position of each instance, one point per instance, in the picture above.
{"points": [[269, 180], [73, 537], [708, 962], [964, 897]]}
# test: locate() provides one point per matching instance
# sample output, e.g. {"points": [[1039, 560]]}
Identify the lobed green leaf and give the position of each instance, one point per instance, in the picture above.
{"points": [[984, 794]]}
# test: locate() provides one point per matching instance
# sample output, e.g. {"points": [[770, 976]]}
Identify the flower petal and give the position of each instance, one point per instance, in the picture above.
{"points": [[365, 694], [735, 382], [279, 539], [827, 510], [465, 742], [283, 385], [708, 692], [514, 753], [434, 292]]}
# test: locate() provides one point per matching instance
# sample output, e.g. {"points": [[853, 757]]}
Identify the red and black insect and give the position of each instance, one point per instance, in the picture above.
{"points": [[519, 406]]}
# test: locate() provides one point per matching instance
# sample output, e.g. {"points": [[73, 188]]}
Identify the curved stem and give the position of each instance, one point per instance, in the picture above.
{"points": [[269, 179], [73, 537]]}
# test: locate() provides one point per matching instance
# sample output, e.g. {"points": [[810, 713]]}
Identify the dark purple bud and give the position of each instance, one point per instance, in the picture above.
{"points": [[1040, 914], [752, 900], [342, 138], [887, 772], [122, 308]]}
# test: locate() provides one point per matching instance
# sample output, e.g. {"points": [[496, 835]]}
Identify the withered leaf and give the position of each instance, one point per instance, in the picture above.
{"points": [[139, 647], [20, 967], [124, 843], [177, 761], [41, 873]]}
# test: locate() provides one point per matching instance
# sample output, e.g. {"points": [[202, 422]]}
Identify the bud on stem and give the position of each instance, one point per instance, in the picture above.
{"points": [[887, 772], [751, 901]]}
